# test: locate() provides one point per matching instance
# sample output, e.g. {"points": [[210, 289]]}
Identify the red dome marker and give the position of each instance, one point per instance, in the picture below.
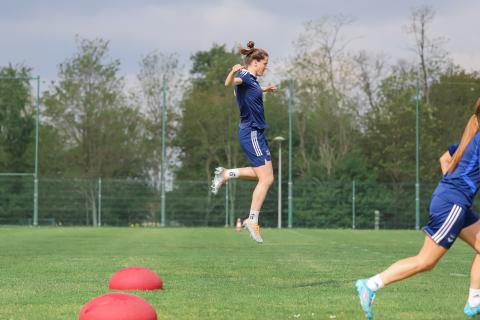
{"points": [[135, 278], [117, 306]]}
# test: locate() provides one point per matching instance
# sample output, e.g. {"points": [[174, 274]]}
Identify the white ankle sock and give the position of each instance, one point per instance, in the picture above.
{"points": [[254, 216], [474, 297], [232, 174], [374, 283]]}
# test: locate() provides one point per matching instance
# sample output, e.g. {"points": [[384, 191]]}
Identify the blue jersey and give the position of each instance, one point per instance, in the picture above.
{"points": [[250, 101], [461, 185]]}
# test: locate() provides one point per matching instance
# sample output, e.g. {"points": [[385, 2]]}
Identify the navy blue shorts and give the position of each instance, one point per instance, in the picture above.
{"points": [[254, 145], [447, 220]]}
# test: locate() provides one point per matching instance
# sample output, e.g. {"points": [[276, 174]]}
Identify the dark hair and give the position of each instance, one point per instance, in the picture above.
{"points": [[253, 53]]}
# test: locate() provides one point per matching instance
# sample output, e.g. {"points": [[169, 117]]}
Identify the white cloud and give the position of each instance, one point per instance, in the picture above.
{"points": [[44, 38], [461, 26]]}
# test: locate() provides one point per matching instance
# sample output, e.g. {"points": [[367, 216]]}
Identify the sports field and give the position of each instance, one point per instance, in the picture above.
{"points": [[217, 273]]}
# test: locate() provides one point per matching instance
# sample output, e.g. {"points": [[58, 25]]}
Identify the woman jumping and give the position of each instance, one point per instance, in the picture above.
{"points": [[251, 137], [451, 216]]}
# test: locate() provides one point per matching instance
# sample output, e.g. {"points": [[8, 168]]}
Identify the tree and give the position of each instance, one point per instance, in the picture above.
{"points": [[389, 137], [370, 70], [209, 115], [451, 104], [102, 132], [17, 138], [324, 113], [160, 74], [433, 59], [207, 136], [17, 119]]}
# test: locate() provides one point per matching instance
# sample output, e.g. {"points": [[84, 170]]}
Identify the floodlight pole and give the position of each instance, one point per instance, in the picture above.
{"points": [[417, 156], [290, 138], [35, 179], [279, 139], [164, 153]]}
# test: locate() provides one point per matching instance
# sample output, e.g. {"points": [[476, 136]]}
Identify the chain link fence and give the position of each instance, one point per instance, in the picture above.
{"points": [[95, 202]]}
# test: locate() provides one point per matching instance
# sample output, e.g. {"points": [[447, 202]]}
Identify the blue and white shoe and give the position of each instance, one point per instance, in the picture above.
{"points": [[471, 311], [366, 297]]}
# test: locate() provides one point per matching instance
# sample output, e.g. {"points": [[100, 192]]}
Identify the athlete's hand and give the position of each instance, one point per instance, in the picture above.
{"points": [[269, 88], [237, 67]]}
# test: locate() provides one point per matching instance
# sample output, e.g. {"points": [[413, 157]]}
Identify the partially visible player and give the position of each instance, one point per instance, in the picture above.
{"points": [[451, 216], [249, 95]]}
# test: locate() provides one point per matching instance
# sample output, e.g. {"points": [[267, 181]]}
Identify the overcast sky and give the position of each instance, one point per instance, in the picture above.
{"points": [[41, 34]]}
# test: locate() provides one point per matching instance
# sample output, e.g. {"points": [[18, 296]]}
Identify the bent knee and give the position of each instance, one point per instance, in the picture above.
{"points": [[476, 243], [267, 180], [426, 265]]}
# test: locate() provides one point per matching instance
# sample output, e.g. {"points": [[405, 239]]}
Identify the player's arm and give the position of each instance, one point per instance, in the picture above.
{"points": [[231, 79], [445, 160], [269, 88]]}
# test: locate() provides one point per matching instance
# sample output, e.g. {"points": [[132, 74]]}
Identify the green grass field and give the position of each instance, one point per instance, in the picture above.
{"points": [[216, 273]]}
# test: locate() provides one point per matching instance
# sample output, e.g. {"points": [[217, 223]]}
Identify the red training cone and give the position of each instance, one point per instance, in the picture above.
{"points": [[239, 225], [135, 278], [117, 306]]}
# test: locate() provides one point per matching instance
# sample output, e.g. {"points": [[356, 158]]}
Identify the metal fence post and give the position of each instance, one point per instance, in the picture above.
{"points": [[353, 204], [290, 150], [417, 159], [35, 179], [164, 152], [99, 201], [226, 204], [279, 139], [376, 219]]}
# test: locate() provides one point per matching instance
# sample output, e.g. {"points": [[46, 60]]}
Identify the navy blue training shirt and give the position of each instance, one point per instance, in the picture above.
{"points": [[250, 101], [462, 185]]}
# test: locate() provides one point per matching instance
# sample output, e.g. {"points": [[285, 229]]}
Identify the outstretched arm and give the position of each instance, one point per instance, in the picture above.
{"points": [[231, 79], [269, 88]]}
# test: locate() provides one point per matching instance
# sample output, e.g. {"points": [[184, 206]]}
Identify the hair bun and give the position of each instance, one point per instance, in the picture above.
{"points": [[250, 44]]}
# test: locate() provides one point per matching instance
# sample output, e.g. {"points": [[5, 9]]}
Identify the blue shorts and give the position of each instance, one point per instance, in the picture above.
{"points": [[447, 220], [254, 145]]}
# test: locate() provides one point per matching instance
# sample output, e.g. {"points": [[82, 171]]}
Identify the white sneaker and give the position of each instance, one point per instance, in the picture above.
{"points": [[253, 229], [218, 180]]}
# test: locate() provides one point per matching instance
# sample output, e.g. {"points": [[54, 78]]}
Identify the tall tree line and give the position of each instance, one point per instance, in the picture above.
{"points": [[354, 112]]}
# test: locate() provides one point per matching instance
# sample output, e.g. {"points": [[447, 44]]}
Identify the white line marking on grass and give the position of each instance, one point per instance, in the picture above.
{"points": [[458, 275], [300, 234]]}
